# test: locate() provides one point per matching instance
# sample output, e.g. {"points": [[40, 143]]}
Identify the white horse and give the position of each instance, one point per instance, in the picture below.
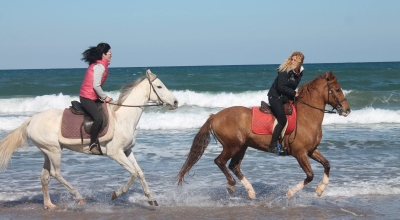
{"points": [[43, 130]]}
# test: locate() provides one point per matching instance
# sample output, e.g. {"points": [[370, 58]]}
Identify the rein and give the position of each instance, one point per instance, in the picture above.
{"points": [[321, 109], [330, 91], [338, 103], [138, 106], [147, 105]]}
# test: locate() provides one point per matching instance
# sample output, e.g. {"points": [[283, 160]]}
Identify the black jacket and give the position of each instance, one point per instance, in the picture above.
{"points": [[285, 85]]}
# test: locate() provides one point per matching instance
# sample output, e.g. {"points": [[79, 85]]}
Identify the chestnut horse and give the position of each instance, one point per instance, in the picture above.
{"points": [[232, 128]]}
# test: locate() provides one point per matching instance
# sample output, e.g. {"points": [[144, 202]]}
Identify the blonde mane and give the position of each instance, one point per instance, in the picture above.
{"points": [[125, 91]]}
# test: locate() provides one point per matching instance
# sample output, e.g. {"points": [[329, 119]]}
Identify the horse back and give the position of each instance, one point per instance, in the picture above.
{"points": [[232, 122]]}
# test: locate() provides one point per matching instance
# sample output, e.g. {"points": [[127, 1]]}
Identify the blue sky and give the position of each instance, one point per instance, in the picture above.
{"points": [[53, 34]]}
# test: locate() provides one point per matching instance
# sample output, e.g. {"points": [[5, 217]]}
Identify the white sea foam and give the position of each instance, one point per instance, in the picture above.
{"points": [[365, 116], [221, 100], [195, 108], [187, 97]]}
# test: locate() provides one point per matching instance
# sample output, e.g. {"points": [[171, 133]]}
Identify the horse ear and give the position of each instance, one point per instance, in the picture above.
{"points": [[330, 76], [150, 75]]}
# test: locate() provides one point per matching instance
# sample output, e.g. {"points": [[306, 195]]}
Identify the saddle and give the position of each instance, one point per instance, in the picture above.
{"points": [[69, 120], [267, 110], [263, 122]]}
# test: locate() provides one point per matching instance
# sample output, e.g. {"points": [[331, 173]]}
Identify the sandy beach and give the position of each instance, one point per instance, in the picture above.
{"points": [[382, 207]]}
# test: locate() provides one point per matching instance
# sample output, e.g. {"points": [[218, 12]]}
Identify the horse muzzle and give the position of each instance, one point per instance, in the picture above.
{"points": [[172, 106], [343, 112]]}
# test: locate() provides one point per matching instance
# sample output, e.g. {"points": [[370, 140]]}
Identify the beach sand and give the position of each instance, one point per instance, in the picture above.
{"points": [[381, 207]]}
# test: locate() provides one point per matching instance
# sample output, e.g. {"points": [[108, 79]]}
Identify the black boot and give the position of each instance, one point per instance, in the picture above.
{"points": [[273, 146], [95, 148]]}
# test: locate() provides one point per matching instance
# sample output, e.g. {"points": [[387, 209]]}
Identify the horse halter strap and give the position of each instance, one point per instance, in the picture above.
{"points": [[338, 103], [151, 88]]}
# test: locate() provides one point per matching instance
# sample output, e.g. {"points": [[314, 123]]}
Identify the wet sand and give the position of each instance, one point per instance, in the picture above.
{"points": [[381, 207]]}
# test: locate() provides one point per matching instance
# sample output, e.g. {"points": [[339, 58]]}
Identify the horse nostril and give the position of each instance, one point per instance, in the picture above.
{"points": [[176, 103]]}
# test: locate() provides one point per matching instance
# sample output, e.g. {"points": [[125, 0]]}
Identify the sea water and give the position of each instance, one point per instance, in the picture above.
{"points": [[363, 149]]}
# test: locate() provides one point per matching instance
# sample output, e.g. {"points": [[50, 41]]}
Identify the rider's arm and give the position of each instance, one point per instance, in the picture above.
{"points": [[98, 71], [282, 85]]}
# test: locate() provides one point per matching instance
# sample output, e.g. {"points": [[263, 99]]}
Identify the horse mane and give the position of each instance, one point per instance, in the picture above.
{"points": [[307, 88], [125, 91]]}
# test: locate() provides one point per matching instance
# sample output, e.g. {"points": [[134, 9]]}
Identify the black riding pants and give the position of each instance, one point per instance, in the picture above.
{"points": [[92, 108], [276, 106]]}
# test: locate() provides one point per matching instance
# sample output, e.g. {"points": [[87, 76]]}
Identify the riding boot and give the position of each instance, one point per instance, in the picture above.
{"points": [[94, 146], [273, 146]]}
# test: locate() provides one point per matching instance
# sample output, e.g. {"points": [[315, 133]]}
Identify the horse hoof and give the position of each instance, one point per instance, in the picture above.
{"points": [[289, 194], [230, 189], [252, 194], [80, 201], [230, 192], [50, 206], [113, 196], [319, 191], [153, 203]]}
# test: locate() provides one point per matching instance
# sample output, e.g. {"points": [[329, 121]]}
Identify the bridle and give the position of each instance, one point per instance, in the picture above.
{"points": [[338, 107], [338, 103], [161, 102]]}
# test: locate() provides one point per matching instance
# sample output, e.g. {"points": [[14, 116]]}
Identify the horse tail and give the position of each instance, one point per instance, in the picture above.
{"points": [[200, 143], [14, 140]]}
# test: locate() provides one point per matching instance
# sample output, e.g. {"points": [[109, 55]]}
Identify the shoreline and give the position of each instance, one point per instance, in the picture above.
{"points": [[365, 207]]}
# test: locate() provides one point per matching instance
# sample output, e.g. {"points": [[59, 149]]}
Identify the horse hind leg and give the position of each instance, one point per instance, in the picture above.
{"points": [[234, 165], [45, 178], [221, 161], [52, 167]]}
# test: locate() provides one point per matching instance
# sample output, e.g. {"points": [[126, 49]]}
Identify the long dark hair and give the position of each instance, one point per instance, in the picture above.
{"points": [[93, 54]]}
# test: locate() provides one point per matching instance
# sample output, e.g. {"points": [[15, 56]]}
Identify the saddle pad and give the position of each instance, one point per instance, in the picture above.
{"points": [[262, 123], [71, 125]]}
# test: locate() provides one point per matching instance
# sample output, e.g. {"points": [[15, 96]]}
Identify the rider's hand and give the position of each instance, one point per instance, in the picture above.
{"points": [[108, 99]]}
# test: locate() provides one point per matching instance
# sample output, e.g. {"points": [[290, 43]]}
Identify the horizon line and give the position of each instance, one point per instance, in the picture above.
{"points": [[202, 65]]}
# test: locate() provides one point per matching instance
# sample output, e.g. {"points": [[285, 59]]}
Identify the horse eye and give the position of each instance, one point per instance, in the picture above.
{"points": [[159, 87], [337, 90]]}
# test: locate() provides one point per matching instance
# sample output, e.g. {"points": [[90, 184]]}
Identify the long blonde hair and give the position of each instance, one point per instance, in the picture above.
{"points": [[287, 65]]}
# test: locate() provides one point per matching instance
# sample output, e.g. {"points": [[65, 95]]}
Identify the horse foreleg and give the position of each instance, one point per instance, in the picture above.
{"points": [[221, 161], [130, 164], [234, 165], [305, 165], [317, 156], [143, 181]]}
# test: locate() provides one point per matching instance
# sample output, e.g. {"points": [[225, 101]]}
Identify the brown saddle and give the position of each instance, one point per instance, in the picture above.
{"points": [[267, 110], [72, 118]]}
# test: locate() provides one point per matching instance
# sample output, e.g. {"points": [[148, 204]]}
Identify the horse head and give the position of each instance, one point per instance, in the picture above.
{"points": [[335, 96], [159, 92]]}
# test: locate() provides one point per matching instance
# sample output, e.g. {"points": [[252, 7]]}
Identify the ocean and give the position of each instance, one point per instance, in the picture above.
{"points": [[363, 149]]}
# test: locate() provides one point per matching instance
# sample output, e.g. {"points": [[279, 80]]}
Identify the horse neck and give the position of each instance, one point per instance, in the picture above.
{"points": [[316, 99], [138, 96]]}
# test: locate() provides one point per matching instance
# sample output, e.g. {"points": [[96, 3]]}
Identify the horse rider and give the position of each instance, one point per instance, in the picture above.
{"points": [[91, 94], [283, 90]]}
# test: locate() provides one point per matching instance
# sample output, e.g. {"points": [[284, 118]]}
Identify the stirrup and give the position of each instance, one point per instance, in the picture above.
{"points": [[95, 149], [280, 151]]}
